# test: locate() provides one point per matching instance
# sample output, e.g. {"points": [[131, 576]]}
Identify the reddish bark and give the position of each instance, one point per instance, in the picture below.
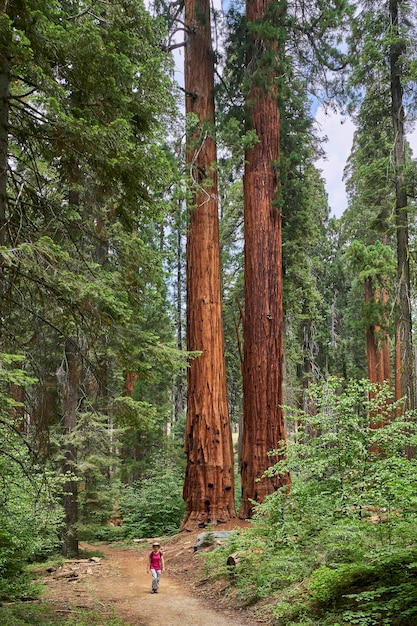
{"points": [[378, 348], [378, 342], [130, 378], [405, 371], [209, 478], [263, 427]]}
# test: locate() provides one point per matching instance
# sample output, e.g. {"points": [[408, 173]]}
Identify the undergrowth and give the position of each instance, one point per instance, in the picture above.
{"points": [[30, 614], [340, 546]]}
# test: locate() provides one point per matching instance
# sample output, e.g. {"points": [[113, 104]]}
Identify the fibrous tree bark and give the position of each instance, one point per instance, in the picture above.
{"points": [[209, 478], [404, 367], [5, 61], [377, 340], [5, 69], [263, 427], [69, 377], [377, 347]]}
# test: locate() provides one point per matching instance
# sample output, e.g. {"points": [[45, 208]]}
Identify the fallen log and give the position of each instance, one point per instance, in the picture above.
{"points": [[66, 574], [233, 559]]}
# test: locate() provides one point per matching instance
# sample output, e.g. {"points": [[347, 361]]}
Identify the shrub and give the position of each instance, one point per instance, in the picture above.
{"points": [[327, 585], [338, 547], [29, 514], [153, 506]]}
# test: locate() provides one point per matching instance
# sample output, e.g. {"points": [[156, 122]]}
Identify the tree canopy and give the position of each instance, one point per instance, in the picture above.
{"points": [[172, 277]]}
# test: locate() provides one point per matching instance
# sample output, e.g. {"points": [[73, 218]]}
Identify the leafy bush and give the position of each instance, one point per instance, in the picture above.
{"points": [[338, 547], [328, 584], [153, 506], [24, 614], [105, 532], [29, 514], [29, 526]]}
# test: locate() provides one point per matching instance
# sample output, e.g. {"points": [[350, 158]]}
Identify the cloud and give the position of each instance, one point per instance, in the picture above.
{"points": [[339, 132], [412, 140]]}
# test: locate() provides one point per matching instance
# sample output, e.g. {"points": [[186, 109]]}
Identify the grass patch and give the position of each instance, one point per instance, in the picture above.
{"points": [[36, 614]]}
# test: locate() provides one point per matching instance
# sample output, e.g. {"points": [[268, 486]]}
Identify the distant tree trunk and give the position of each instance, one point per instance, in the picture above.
{"points": [[308, 404], [377, 340], [179, 387], [308, 375], [398, 369], [263, 423], [405, 375], [45, 412], [5, 68], [130, 379], [5, 61], [209, 478], [69, 377], [378, 348]]}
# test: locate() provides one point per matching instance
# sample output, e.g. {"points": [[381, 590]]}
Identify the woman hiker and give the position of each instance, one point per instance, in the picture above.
{"points": [[156, 565]]}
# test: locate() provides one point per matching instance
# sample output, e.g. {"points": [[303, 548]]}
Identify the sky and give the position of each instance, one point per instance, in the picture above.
{"points": [[339, 132]]}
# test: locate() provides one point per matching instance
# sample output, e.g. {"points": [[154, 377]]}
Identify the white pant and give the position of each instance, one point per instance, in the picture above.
{"points": [[156, 575]]}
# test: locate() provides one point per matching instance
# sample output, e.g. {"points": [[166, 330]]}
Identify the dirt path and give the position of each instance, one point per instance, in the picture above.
{"points": [[129, 588], [120, 585]]}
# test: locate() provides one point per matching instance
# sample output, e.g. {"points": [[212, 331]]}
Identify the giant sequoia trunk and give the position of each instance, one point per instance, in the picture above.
{"points": [[405, 381], [263, 427], [179, 390], [208, 487]]}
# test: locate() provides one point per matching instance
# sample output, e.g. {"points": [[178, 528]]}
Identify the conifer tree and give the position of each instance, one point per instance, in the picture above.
{"points": [[209, 478], [82, 269], [263, 427], [286, 152], [383, 54]]}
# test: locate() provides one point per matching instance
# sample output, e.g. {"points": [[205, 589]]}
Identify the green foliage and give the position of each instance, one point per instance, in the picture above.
{"points": [[339, 545], [135, 414], [28, 494], [208, 539], [302, 201], [81, 261], [153, 506], [376, 260], [326, 584], [96, 460], [369, 172], [27, 614]]}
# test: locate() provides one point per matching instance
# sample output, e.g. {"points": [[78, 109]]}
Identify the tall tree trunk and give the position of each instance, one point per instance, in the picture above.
{"points": [[5, 61], [69, 377], [377, 340], [209, 478], [378, 350], [5, 68], [263, 427], [405, 363], [44, 412], [308, 405], [179, 397]]}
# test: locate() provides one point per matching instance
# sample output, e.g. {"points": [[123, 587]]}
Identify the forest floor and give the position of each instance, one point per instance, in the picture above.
{"points": [[117, 584]]}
